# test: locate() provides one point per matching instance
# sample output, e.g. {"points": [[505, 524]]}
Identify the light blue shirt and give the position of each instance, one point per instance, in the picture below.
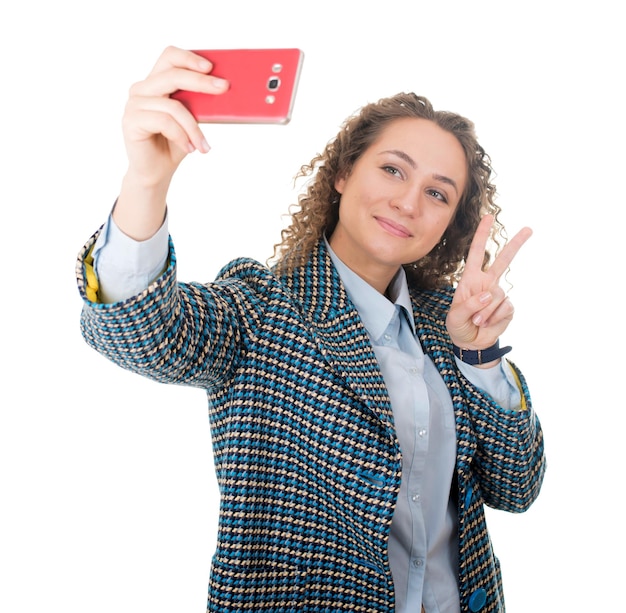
{"points": [[423, 540]]}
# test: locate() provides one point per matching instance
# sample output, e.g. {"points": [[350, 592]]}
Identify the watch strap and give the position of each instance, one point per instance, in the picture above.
{"points": [[481, 356]]}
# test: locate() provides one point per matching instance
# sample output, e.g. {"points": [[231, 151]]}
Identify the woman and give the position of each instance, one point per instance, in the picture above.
{"points": [[361, 410]]}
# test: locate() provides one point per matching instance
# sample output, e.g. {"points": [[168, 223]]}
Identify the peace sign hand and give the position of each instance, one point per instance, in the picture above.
{"points": [[480, 311]]}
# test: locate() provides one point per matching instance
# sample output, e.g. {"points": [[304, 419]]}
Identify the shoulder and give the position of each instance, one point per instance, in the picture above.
{"points": [[251, 283], [246, 270], [249, 276]]}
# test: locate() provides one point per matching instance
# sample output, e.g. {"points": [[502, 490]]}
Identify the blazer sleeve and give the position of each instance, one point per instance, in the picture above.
{"points": [[183, 333], [500, 452], [509, 461]]}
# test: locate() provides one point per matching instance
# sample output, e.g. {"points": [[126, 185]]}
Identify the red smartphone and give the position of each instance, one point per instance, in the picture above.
{"points": [[263, 85]]}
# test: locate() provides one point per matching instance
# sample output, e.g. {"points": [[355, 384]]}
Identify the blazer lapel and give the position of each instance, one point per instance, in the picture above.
{"points": [[340, 333]]}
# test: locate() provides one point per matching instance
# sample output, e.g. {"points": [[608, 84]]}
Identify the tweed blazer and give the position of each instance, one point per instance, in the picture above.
{"points": [[305, 450]]}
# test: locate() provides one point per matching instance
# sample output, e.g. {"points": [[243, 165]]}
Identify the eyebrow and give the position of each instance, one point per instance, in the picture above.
{"points": [[411, 162]]}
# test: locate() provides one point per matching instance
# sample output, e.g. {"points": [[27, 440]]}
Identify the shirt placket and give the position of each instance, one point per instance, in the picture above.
{"points": [[418, 413]]}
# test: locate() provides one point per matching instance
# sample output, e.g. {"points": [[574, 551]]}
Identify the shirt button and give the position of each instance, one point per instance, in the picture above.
{"points": [[415, 497], [418, 562], [413, 371], [422, 431], [387, 338]]}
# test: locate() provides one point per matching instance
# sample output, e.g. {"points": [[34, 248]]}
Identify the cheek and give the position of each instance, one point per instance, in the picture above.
{"points": [[355, 203], [447, 219], [439, 225], [442, 219]]}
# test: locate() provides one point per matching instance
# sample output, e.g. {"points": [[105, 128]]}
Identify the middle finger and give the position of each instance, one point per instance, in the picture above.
{"points": [[502, 262]]}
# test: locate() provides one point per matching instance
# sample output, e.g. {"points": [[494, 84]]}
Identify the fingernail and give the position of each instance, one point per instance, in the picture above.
{"points": [[477, 320], [485, 297], [220, 83]]}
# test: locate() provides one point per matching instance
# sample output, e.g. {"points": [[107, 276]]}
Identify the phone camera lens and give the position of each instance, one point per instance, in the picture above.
{"points": [[273, 84]]}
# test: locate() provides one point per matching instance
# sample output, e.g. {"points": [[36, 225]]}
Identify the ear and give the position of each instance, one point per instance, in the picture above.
{"points": [[340, 182]]}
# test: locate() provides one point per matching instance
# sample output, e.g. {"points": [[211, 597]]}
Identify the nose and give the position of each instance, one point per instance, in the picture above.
{"points": [[407, 201]]}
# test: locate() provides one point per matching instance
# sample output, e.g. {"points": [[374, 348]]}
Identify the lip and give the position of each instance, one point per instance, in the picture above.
{"points": [[393, 228]]}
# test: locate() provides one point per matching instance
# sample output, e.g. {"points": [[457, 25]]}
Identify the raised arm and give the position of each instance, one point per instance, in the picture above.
{"points": [[158, 133]]}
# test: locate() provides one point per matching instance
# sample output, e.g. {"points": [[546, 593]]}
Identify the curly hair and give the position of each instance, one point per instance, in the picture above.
{"points": [[317, 211]]}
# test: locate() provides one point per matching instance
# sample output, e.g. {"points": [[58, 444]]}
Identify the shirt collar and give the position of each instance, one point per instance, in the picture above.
{"points": [[375, 310]]}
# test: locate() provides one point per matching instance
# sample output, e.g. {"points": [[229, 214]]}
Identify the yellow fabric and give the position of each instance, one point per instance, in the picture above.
{"points": [[92, 281], [523, 406]]}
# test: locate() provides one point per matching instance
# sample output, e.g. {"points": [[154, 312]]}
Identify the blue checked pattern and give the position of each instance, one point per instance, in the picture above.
{"points": [[304, 445]]}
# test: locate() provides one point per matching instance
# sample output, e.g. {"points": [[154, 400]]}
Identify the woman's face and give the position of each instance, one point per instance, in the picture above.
{"points": [[398, 199]]}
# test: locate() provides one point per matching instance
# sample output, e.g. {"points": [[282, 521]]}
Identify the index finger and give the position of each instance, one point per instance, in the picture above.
{"points": [[174, 57], [179, 69], [476, 253]]}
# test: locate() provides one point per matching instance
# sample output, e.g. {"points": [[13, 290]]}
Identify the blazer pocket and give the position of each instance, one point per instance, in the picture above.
{"points": [[255, 585]]}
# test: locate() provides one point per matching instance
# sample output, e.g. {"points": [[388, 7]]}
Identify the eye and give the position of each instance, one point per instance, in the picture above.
{"points": [[438, 195], [392, 170]]}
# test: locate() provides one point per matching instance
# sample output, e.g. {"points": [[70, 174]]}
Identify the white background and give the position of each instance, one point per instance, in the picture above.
{"points": [[108, 499]]}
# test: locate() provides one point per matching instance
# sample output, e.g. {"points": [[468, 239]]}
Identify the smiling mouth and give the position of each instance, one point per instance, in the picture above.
{"points": [[393, 228]]}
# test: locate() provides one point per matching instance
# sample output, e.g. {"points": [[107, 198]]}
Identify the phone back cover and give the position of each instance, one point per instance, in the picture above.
{"points": [[250, 98]]}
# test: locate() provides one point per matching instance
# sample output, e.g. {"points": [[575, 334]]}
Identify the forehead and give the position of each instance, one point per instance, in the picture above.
{"points": [[420, 134], [431, 147]]}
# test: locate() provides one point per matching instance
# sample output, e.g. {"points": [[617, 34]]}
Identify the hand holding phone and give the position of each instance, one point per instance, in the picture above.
{"points": [[263, 84]]}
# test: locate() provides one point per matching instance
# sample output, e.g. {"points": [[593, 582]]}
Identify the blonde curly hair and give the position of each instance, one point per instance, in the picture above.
{"points": [[317, 211]]}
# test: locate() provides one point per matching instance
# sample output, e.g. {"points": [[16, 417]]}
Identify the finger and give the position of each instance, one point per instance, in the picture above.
{"points": [[150, 123], [479, 307], [483, 316], [501, 317], [168, 81], [181, 58], [141, 108], [476, 253], [501, 264]]}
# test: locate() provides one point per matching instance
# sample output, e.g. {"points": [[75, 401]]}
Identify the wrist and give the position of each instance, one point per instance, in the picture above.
{"points": [[152, 186], [481, 357], [140, 209]]}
